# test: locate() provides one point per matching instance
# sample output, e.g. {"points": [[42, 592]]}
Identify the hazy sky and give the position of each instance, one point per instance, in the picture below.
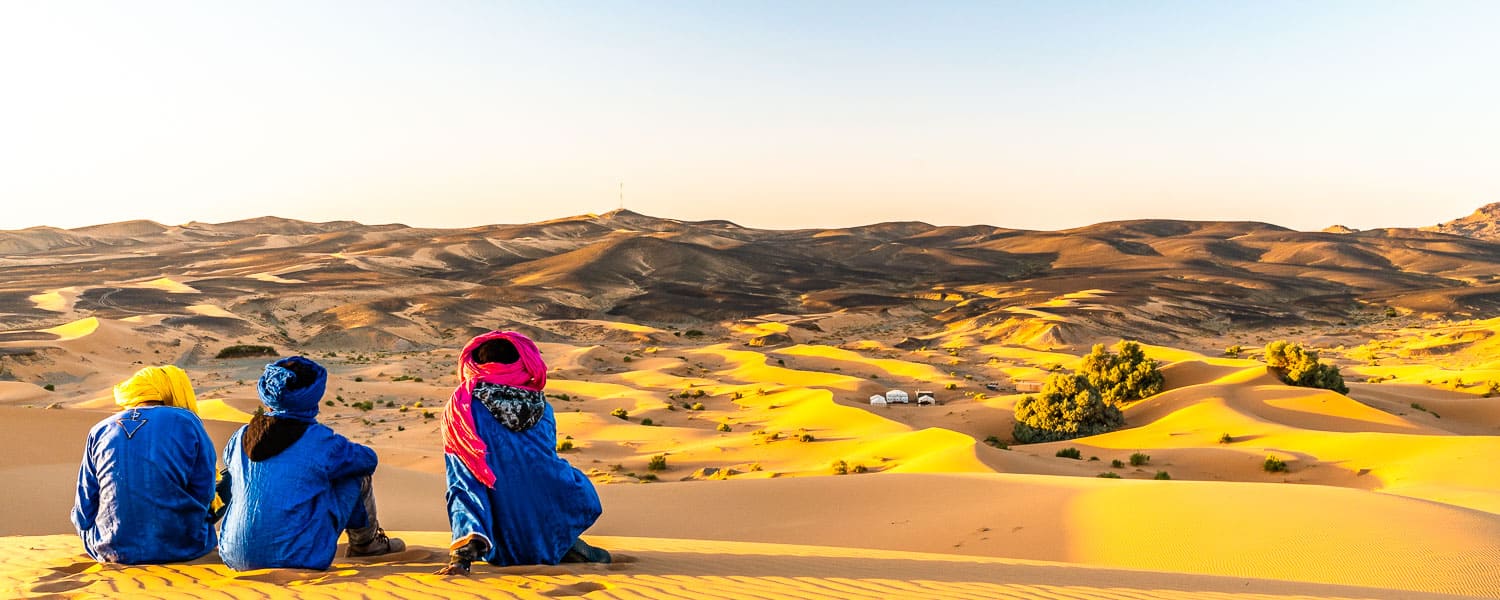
{"points": [[773, 114]]}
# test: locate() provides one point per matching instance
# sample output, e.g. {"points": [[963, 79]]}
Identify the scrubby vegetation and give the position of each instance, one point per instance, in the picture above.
{"points": [[620, 413], [1123, 375], [1299, 366], [1072, 453], [1139, 459], [1226, 439], [1117, 463], [1162, 475], [1275, 465], [724, 427], [245, 351], [657, 463], [840, 467], [1068, 407], [1109, 475], [565, 445]]}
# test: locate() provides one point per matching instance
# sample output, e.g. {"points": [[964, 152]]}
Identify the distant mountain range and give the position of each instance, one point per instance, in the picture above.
{"points": [[329, 285]]}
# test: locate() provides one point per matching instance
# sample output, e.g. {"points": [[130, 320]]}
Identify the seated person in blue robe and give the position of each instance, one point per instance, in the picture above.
{"points": [[293, 485], [147, 479], [511, 499]]}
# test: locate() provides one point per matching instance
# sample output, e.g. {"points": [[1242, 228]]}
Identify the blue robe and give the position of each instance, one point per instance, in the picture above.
{"points": [[145, 487], [288, 511], [539, 505]]}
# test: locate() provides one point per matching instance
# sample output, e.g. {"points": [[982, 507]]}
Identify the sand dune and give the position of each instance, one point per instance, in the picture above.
{"points": [[746, 359]]}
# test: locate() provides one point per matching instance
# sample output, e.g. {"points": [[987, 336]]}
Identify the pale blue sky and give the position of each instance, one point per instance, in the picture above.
{"points": [[774, 114]]}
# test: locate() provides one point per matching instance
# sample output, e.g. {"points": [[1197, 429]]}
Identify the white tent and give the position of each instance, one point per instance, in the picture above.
{"points": [[878, 399], [895, 396], [926, 398]]}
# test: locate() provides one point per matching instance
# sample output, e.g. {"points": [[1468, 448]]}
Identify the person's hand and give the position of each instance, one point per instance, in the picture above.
{"points": [[454, 569]]}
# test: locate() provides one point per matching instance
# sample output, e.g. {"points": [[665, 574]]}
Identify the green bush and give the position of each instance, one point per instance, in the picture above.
{"points": [[620, 413], [1162, 475], [693, 333], [859, 469], [995, 441], [1072, 453], [565, 445], [1117, 463], [1234, 351], [1275, 465], [657, 463], [647, 422], [840, 467], [1109, 475], [696, 406], [1226, 439], [245, 351], [1299, 366], [1139, 459], [1068, 407], [1123, 375], [723, 427], [49, 387]]}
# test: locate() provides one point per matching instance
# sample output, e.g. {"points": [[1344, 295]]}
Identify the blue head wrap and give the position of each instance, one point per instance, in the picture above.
{"points": [[300, 404]]}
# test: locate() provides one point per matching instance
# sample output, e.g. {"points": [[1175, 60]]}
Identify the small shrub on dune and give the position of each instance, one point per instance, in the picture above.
{"points": [[1072, 453], [565, 445], [657, 463], [245, 351], [1234, 351], [1275, 465], [1109, 475], [859, 469], [1226, 439], [1068, 407], [1139, 459], [620, 413], [995, 441], [1117, 463], [49, 387], [724, 427], [840, 467], [696, 406], [1299, 366], [1162, 476], [647, 422]]}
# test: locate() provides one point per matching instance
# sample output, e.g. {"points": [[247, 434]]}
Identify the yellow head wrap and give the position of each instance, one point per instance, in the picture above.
{"points": [[168, 385]]}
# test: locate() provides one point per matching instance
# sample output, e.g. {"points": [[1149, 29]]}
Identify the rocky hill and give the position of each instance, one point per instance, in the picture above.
{"points": [[328, 285]]}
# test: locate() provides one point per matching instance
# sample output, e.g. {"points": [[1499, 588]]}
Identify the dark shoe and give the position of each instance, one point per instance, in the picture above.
{"points": [[378, 545], [581, 552]]}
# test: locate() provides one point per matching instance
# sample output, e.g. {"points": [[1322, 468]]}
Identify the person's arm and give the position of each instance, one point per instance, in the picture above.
{"points": [[86, 500], [347, 459], [201, 479]]}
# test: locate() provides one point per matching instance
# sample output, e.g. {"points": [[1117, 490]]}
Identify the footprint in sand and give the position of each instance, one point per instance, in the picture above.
{"points": [[574, 590]]}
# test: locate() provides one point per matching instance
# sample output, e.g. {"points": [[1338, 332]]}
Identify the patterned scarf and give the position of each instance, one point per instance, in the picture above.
{"points": [[460, 439]]}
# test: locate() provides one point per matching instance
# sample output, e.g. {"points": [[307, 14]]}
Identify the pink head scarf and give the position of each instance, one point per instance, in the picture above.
{"points": [[459, 435]]}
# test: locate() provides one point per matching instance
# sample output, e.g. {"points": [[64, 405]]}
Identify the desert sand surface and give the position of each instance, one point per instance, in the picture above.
{"points": [[1390, 492]]}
